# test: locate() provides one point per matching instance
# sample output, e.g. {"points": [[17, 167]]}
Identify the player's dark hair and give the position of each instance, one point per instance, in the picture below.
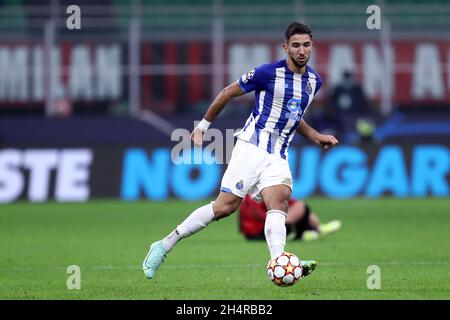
{"points": [[297, 28]]}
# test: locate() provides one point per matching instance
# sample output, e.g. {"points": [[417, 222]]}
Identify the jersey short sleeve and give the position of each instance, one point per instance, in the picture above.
{"points": [[318, 79], [253, 80]]}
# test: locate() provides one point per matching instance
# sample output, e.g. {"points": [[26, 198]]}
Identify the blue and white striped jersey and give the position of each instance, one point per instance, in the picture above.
{"points": [[281, 99]]}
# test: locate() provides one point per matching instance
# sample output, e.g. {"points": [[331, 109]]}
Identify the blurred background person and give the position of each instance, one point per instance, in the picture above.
{"points": [[348, 106], [301, 222]]}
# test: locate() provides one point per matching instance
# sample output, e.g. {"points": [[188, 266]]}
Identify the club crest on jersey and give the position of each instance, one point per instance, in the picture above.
{"points": [[295, 109], [240, 185], [248, 76], [308, 88]]}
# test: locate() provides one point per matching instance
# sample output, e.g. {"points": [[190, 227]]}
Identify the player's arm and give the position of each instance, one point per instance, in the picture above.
{"points": [[326, 141], [228, 93]]}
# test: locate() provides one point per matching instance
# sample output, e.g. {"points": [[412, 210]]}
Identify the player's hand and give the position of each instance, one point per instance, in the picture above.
{"points": [[197, 136], [326, 141]]}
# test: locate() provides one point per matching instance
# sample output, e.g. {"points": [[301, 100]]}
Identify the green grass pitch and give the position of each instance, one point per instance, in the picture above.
{"points": [[408, 239]]}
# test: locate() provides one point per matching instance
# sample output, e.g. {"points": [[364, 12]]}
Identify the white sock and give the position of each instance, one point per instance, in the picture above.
{"points": [[275, 232], [196, 221]]}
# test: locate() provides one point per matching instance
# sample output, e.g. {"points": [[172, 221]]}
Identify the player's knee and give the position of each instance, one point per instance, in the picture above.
{"points": [[282, 205]]}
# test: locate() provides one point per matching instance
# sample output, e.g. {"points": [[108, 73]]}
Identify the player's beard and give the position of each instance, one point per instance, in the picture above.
{"points": [[298, 64]]}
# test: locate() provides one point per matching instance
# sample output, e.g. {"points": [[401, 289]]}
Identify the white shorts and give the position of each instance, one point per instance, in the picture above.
{"points": [[251, 169]]}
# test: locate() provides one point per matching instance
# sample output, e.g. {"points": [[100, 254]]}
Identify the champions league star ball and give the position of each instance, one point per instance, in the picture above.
{"points": [[284, 270]]}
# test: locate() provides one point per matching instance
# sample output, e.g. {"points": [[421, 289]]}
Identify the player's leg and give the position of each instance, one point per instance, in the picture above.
{"points": [[275, 186], [276, 199], [237, 179], [224, 205]]}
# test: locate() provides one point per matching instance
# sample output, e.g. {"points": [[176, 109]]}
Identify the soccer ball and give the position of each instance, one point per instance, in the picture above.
{"points": [[284, 270]]}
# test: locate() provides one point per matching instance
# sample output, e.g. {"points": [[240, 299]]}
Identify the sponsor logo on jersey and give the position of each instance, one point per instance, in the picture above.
{"points": [[295, 110]]}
